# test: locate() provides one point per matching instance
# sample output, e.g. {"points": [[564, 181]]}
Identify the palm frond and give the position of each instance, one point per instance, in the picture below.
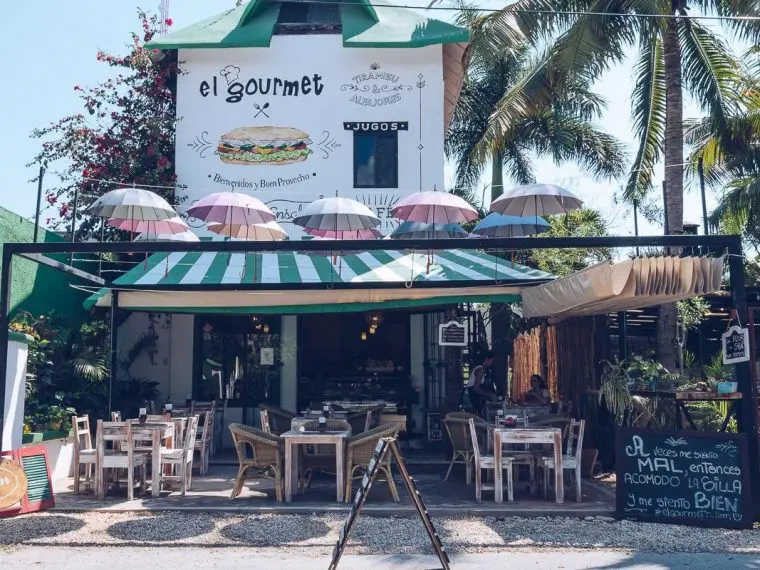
{"points": [[92, 370], [741, 200], [648, 106], [710, 71]]}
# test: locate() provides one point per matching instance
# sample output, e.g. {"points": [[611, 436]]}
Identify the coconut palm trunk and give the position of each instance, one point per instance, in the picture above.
{"points": [[667, 323], [497, 175]]}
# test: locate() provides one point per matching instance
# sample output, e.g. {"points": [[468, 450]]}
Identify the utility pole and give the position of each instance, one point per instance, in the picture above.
{"points": [[39, 205]]}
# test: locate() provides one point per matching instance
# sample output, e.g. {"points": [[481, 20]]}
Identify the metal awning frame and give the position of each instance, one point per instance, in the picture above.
{"points": [[723, 244]]}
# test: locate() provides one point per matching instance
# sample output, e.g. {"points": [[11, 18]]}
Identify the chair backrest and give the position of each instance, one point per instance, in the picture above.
{"points": [[279, 418], [82, 433], [207, 419], [153, 418], [332, 425], [459, 433], [118, 432], [265, 421], [474, 441], [190, 429], [574, 434], [368, 420], [377, 414]]}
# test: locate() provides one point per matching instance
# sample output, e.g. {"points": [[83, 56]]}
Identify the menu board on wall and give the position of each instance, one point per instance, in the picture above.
{"points": [[682, 477]]}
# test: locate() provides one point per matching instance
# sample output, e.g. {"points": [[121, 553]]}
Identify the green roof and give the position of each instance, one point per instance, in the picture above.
{"points": [[377, 24], [467, 268]]}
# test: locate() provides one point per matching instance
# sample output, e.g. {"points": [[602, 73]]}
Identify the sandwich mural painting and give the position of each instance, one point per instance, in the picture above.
{"points": [[255, 146], [290, 130]]}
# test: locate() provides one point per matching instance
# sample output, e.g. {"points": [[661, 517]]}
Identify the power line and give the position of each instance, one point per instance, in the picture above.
{"points": [[532, 11]]}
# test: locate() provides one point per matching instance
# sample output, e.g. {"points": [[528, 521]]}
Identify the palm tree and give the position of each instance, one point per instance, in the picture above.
{"points": [[560, 126], [675, 53]]}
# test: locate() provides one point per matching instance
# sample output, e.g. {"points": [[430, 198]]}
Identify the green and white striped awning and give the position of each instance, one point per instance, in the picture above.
{"points": [[207, 282]]}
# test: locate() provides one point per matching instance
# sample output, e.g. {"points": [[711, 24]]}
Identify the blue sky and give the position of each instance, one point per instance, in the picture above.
{"points": [[45, 59]]}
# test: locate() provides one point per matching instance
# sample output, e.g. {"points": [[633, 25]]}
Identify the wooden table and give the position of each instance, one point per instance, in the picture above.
{"points": [[552, 436], [295, 438], [156, 432]]}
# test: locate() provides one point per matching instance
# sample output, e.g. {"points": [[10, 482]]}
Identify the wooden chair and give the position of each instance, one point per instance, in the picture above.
{"points": [[571, 457], [217, 408], [459, 434], [265, 426], [84, 452], [182, 455], [487, 462], [359, 421], [266, 456], [374, 417], [361, 447], [279, 418], [319, 458], [129, 459], [522, 456], [203, 439]]}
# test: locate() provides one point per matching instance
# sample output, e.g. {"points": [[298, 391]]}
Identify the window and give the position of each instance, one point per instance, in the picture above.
{"points": [[308, 13], [376, 159]]}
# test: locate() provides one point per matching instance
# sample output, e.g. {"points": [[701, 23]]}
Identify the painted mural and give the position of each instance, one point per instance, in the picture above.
{"points": [[284, 129]]}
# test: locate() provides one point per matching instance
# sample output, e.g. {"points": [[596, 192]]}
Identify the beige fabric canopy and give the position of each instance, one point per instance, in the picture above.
{"points": [[632, 284]]}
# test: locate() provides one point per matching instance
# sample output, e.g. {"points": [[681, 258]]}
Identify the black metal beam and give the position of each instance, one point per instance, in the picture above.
{"points": [[113, 348], [60, 266], [747, 417], [522, 243], [6, 275]]}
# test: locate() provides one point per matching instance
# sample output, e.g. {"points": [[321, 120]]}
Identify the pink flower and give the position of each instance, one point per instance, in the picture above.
{"points": [[77, 88], [168, 21]]}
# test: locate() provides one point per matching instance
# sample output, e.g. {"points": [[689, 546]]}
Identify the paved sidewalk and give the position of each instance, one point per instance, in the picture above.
{"points": [[121, 558]]}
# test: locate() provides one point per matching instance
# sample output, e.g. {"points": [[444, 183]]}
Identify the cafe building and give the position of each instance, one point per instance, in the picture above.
{"points": [[360, 97]]}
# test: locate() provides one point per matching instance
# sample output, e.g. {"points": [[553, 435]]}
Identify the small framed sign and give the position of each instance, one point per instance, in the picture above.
{"points": [[735, 345], [267, 356], [452, 333]]}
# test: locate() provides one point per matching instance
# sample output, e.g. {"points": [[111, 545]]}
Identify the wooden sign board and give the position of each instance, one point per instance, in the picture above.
{"points": [[735, 345], [452, 333], [385, 446], [39, 487], [12, 484], [678, 477]]}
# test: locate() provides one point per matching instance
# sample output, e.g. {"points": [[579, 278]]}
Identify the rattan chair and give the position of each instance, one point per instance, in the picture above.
{"points": [[266, 456], [374, 418], [458, 429], [360, 450], [359, 421], [279, 418]]}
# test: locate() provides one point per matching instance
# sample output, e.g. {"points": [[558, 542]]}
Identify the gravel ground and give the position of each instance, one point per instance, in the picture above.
{"points": [[316, 534]]}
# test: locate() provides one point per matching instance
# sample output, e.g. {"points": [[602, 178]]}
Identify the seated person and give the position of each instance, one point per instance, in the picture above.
{"points": [[538, 395]]}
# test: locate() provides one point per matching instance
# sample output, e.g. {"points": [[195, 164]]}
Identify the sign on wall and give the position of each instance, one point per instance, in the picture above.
{"points": [[683, 478], [280, 123], [452, 333], [735, 345]]}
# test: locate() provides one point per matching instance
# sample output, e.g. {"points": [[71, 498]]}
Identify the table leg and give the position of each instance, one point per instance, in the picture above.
{"points": [[156, 465], [340, 470], [559, 479], [498, 491], [687, 415], [288, 470]]}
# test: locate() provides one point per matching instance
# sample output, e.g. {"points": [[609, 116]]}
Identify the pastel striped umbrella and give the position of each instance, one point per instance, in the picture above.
{"points": [[231, 208], [434, 207], [499, 225]]}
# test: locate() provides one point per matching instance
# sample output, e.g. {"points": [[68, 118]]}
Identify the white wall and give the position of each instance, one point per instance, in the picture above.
{"points": [[289, 370], [15, 379], [181, 357], [357, 86], [156, 367]]}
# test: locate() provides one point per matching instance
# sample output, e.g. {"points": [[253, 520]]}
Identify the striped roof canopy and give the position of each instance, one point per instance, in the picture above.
{"points": [[297, 282]]}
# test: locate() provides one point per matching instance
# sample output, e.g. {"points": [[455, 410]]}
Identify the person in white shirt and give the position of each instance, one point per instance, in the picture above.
{"points": [[477, 388]]}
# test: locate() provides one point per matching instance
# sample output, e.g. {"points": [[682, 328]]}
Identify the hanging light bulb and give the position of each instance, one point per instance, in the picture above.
{"points": [[363, 336], [372, 330], [266, 329]]}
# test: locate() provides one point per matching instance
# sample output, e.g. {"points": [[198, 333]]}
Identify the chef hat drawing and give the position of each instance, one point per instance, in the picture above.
{"points": [[230, 73]]}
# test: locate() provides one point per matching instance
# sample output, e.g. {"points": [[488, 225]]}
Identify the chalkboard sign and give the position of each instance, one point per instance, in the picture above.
{"points": [[683, 478], [452, 334], [735, 345], [384, 446]]}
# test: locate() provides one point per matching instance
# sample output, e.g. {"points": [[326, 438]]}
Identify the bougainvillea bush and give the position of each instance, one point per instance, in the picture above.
{"points": [[124, 134]]}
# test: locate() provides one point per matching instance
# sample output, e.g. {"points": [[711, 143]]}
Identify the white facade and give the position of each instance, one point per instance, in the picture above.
{"points": [[311, 84], [337, 98]]}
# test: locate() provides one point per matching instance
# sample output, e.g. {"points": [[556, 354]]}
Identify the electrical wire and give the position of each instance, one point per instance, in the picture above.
{"points": [[508, 10]]}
